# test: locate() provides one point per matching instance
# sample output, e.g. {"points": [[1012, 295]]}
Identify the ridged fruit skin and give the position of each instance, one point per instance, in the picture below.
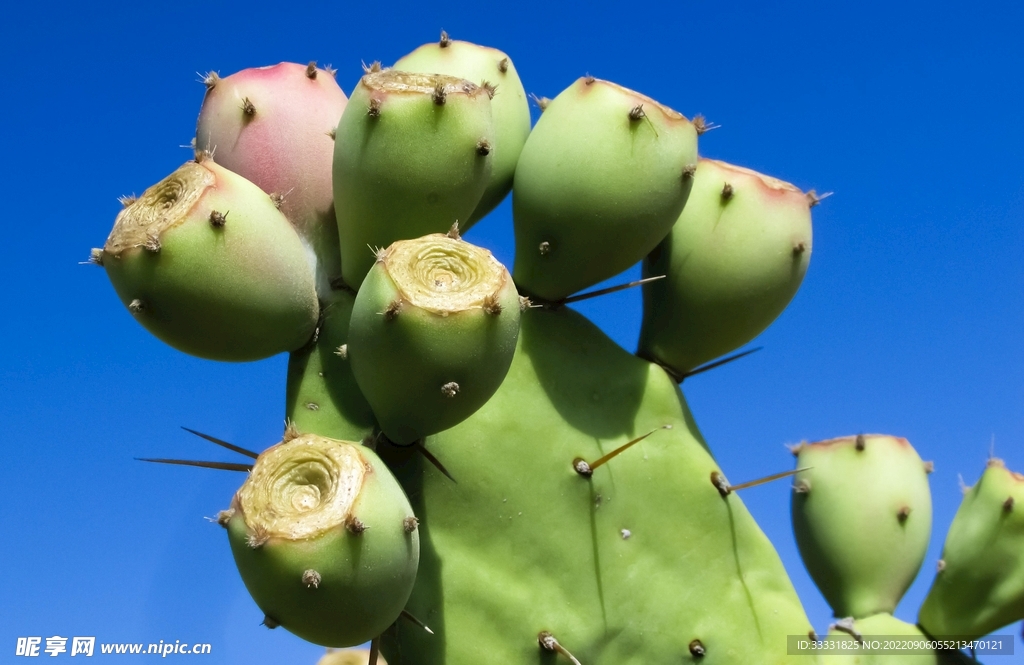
{"points": [[732, 264], [597, 186], [980, 585], [509, 107], [404, 164], [321, 394], [403, 362], [239, 291], [898, 631], [364, 578], [862, 516], [284, 146], [521, 543]]}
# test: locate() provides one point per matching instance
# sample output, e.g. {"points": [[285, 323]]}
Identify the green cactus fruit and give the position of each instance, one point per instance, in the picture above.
{"points": [[207, 263], [862, 515], [603, 176], [273, 126], [412, 156], [492, 70], [433, 330], [349, 657], [325, 540], [322, 396], [980, 584], [644, 561], [899, 632], [732, 262]]}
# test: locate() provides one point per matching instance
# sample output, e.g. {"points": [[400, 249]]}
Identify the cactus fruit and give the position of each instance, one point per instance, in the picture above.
{"points": [[433, 331], [348, 657], [492, 70], [980, 584], [601, 179], [274, 127], [321, 393], [862, 515], [732, 262], [641, 562], [325, 540], [207, 263], [412, 156]]}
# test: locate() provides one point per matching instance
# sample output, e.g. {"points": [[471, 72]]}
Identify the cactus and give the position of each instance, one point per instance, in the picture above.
{"points": [[470, 476]]}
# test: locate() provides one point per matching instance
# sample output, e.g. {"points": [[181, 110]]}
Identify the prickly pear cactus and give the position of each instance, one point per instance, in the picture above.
{"points": [[468, 475]]}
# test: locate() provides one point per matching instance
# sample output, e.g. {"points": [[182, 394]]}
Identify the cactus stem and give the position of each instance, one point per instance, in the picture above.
{"points": [[342, 352], [610, 289], [217, 219], [223, 466], [725, 489], [503, 65], [541, 102], [222, 443], [483, 147], [311, 579], [701, 124], [270, 622], [433, 460], [311, 70], [1008, 504], [697, 649], [248, 108], [586, 469], [355, 525], [409, 617], [445, 40], [450, 389], [813, 198], [903, 514], [410, 524], [860, 443], [846, 626], [548, 642], [727, 193]]}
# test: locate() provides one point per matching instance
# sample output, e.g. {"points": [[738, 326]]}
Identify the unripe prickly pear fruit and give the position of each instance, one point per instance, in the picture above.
{"points": [[349, 657], [862, 516], [322, 395], [325, 540], [492, 70], [849, 631], [733, 261], [432, 335], [980, 584], [207, 263], [412, 156], [275, 127], [603, 176]]}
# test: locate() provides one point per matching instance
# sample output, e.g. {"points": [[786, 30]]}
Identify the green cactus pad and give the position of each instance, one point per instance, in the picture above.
{"points": [[325, 540], [322, 396], [412, 156], [494, 71], [980, 584], [862, 515], [601, 179], [643, 562], [886, 625], [732, 262], [206, 262], [433, 331]]}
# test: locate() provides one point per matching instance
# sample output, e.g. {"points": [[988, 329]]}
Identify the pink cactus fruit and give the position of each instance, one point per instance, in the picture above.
{"points": [[275, 126]]}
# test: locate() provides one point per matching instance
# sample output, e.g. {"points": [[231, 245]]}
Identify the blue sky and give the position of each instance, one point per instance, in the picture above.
{"points": [[908, 322]]}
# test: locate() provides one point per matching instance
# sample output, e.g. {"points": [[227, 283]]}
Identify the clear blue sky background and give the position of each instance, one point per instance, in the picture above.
{"points": [[909, 320]]}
